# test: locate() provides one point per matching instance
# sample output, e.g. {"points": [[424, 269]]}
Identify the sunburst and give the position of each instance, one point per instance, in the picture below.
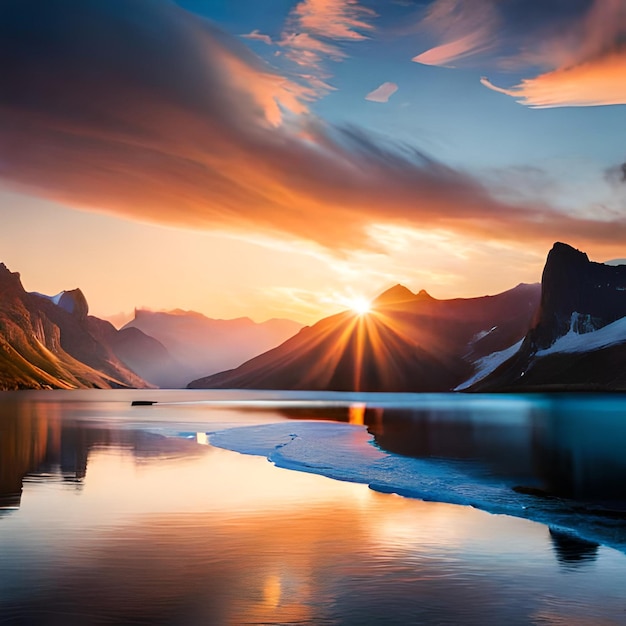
{"points": [[361, 306]]}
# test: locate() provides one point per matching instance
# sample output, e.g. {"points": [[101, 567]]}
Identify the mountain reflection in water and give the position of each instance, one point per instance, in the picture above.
{"points": [[36, 444], [555, 447]]}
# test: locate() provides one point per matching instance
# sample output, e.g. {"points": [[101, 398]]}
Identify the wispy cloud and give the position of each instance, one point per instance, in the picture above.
{"points": [[382, 93], [452, 51], [579, 48], [601, 81], [578, 37], [586, 63], [255, 34], [315, 32], [333, 19], [463, 29], [305, 50], [97, 113]]}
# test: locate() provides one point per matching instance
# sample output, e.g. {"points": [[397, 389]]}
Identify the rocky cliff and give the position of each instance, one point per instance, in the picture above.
{"points": [[577, 294], [44, 344], [578, 338]]}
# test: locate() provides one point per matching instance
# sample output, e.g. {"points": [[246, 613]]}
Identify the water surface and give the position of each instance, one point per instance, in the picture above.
{"points": [[113, 514]]}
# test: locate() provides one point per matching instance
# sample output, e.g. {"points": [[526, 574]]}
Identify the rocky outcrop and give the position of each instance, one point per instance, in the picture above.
{"points": [[74, 302], [578, 297], [46, 345], [576, 291]]}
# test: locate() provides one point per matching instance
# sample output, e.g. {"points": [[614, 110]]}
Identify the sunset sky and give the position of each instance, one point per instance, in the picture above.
{"points": [[276, 158]]}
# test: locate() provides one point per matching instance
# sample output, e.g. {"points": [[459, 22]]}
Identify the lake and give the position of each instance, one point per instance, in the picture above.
{"points": [[374, 508]]}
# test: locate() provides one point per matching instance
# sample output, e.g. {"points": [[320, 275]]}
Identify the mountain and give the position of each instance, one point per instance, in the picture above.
{"points": [[53, 342], [143, 354], [202, 346], [578, 339], [408, 342], [149, 358]]}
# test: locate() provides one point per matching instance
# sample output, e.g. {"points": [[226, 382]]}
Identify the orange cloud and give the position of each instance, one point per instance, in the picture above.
{"points": [[309, 51], [594, 34], [587, 62], [581, 54], [601, 81], [334, 19], [313, 23], [272, 93], [204, 135]]}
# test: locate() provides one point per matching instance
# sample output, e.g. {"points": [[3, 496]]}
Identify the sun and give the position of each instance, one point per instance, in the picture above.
{"points": [[360, 306]]}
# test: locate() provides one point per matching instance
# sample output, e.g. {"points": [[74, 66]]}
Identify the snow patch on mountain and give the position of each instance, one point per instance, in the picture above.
{"points": [[481, 335], [488, 364], [574, 341], [54, 299]]}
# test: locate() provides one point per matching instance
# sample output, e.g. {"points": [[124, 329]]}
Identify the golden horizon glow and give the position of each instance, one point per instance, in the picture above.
{"points": [[360, 305], [163, 269]]}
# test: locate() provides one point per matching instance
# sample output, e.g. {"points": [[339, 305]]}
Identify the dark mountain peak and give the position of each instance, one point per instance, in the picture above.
{"points": [[395, 295], [572, 286], [74, 302], [579, 296], [131, 332], [563, 251]]}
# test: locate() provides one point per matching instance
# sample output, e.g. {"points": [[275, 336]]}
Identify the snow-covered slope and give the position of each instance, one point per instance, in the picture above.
{"points": [[609, 335], [488, 364]]}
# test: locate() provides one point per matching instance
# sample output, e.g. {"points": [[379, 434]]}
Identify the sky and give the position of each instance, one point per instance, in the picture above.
{"points": [[282, 158]]}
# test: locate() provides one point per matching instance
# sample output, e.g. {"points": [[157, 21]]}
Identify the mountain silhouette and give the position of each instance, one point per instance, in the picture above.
{"points": [[578, 339], [408, 342]]}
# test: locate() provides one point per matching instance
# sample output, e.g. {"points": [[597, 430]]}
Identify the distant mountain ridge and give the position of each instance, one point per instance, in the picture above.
{"points": [[409, 342], [202, 345]]}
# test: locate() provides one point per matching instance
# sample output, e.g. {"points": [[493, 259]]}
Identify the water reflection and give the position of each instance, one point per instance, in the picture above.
{"points": [[547, 446], [572, 551], [335, 553], [26, 438], [168, 531], [37, 445]]}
